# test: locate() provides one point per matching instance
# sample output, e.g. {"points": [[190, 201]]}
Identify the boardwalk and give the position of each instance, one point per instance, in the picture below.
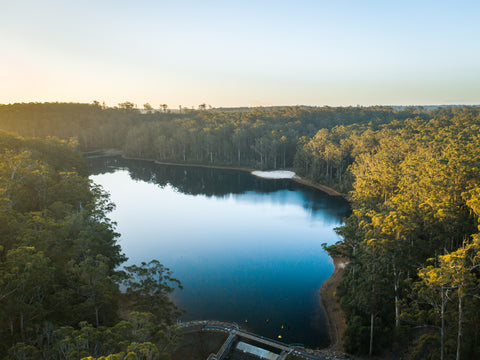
{"points": [[235, 332]]}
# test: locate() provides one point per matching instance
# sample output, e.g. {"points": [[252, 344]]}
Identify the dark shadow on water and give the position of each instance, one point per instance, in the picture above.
{"points": [[192, 180], [261, 272]]}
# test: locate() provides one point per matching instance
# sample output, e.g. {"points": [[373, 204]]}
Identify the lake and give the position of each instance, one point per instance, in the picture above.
{"points": [[246, 250]]}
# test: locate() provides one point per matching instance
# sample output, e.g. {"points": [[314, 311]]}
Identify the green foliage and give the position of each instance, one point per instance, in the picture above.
{"points": [[22, 351], [415, 195], [259, 137], [128, 339], [149, 285], [59, 261], [412, 176]]}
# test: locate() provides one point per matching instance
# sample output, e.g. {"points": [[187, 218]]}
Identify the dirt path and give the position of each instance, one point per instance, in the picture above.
{"points": [[323, 188], [336, 320]]}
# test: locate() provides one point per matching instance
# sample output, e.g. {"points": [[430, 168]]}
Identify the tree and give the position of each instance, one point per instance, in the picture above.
{"points": [[149, 286], [353, 235], [95, 283], [456, 271], [148, 107], [127, 105], [25, 283]]}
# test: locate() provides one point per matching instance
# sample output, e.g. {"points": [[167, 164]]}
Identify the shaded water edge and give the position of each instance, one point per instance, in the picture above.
{"points": [[111, 153], [211, 182]]}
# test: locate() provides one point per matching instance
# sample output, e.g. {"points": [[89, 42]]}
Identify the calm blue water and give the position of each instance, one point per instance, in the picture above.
{"points": [[246, 250]]}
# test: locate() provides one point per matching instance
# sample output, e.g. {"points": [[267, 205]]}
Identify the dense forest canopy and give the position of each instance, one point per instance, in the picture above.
{"points": [[412, 175], [265, 138], [413, 241], [59, 277]]}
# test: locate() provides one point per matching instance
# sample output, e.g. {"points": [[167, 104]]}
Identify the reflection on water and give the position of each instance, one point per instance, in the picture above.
{"points": [[246, 249]]}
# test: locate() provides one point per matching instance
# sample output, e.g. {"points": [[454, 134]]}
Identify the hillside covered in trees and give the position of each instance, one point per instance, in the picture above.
{"points": [[412, 176], [413, 241], [59, 276], [264, 138]]}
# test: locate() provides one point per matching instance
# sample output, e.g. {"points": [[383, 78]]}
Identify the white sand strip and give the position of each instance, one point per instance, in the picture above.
{"points": [[277, 174]]}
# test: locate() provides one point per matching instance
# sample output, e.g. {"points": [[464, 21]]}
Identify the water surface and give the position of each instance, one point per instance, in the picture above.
{"points": [[246, 250]]}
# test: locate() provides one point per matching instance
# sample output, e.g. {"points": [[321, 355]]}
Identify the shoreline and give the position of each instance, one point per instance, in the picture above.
{"points": [[333, 312], [335, 319], [326, 189]]}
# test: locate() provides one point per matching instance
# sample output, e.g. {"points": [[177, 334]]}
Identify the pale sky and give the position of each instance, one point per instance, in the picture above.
{"points": [[240, 53]]}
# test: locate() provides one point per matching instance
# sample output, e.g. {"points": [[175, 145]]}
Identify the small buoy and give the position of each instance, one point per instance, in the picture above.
{"points": [[268, 320], [246, 320], [282, 326], [279, 336]]}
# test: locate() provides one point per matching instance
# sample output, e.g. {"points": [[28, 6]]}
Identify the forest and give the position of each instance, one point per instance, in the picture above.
{"points": [[264, 138], [59, 275], [412, 240], [412, 243]]}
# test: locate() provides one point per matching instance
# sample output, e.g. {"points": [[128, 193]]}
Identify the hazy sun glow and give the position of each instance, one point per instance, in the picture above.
{"points": [[246, 53]]}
